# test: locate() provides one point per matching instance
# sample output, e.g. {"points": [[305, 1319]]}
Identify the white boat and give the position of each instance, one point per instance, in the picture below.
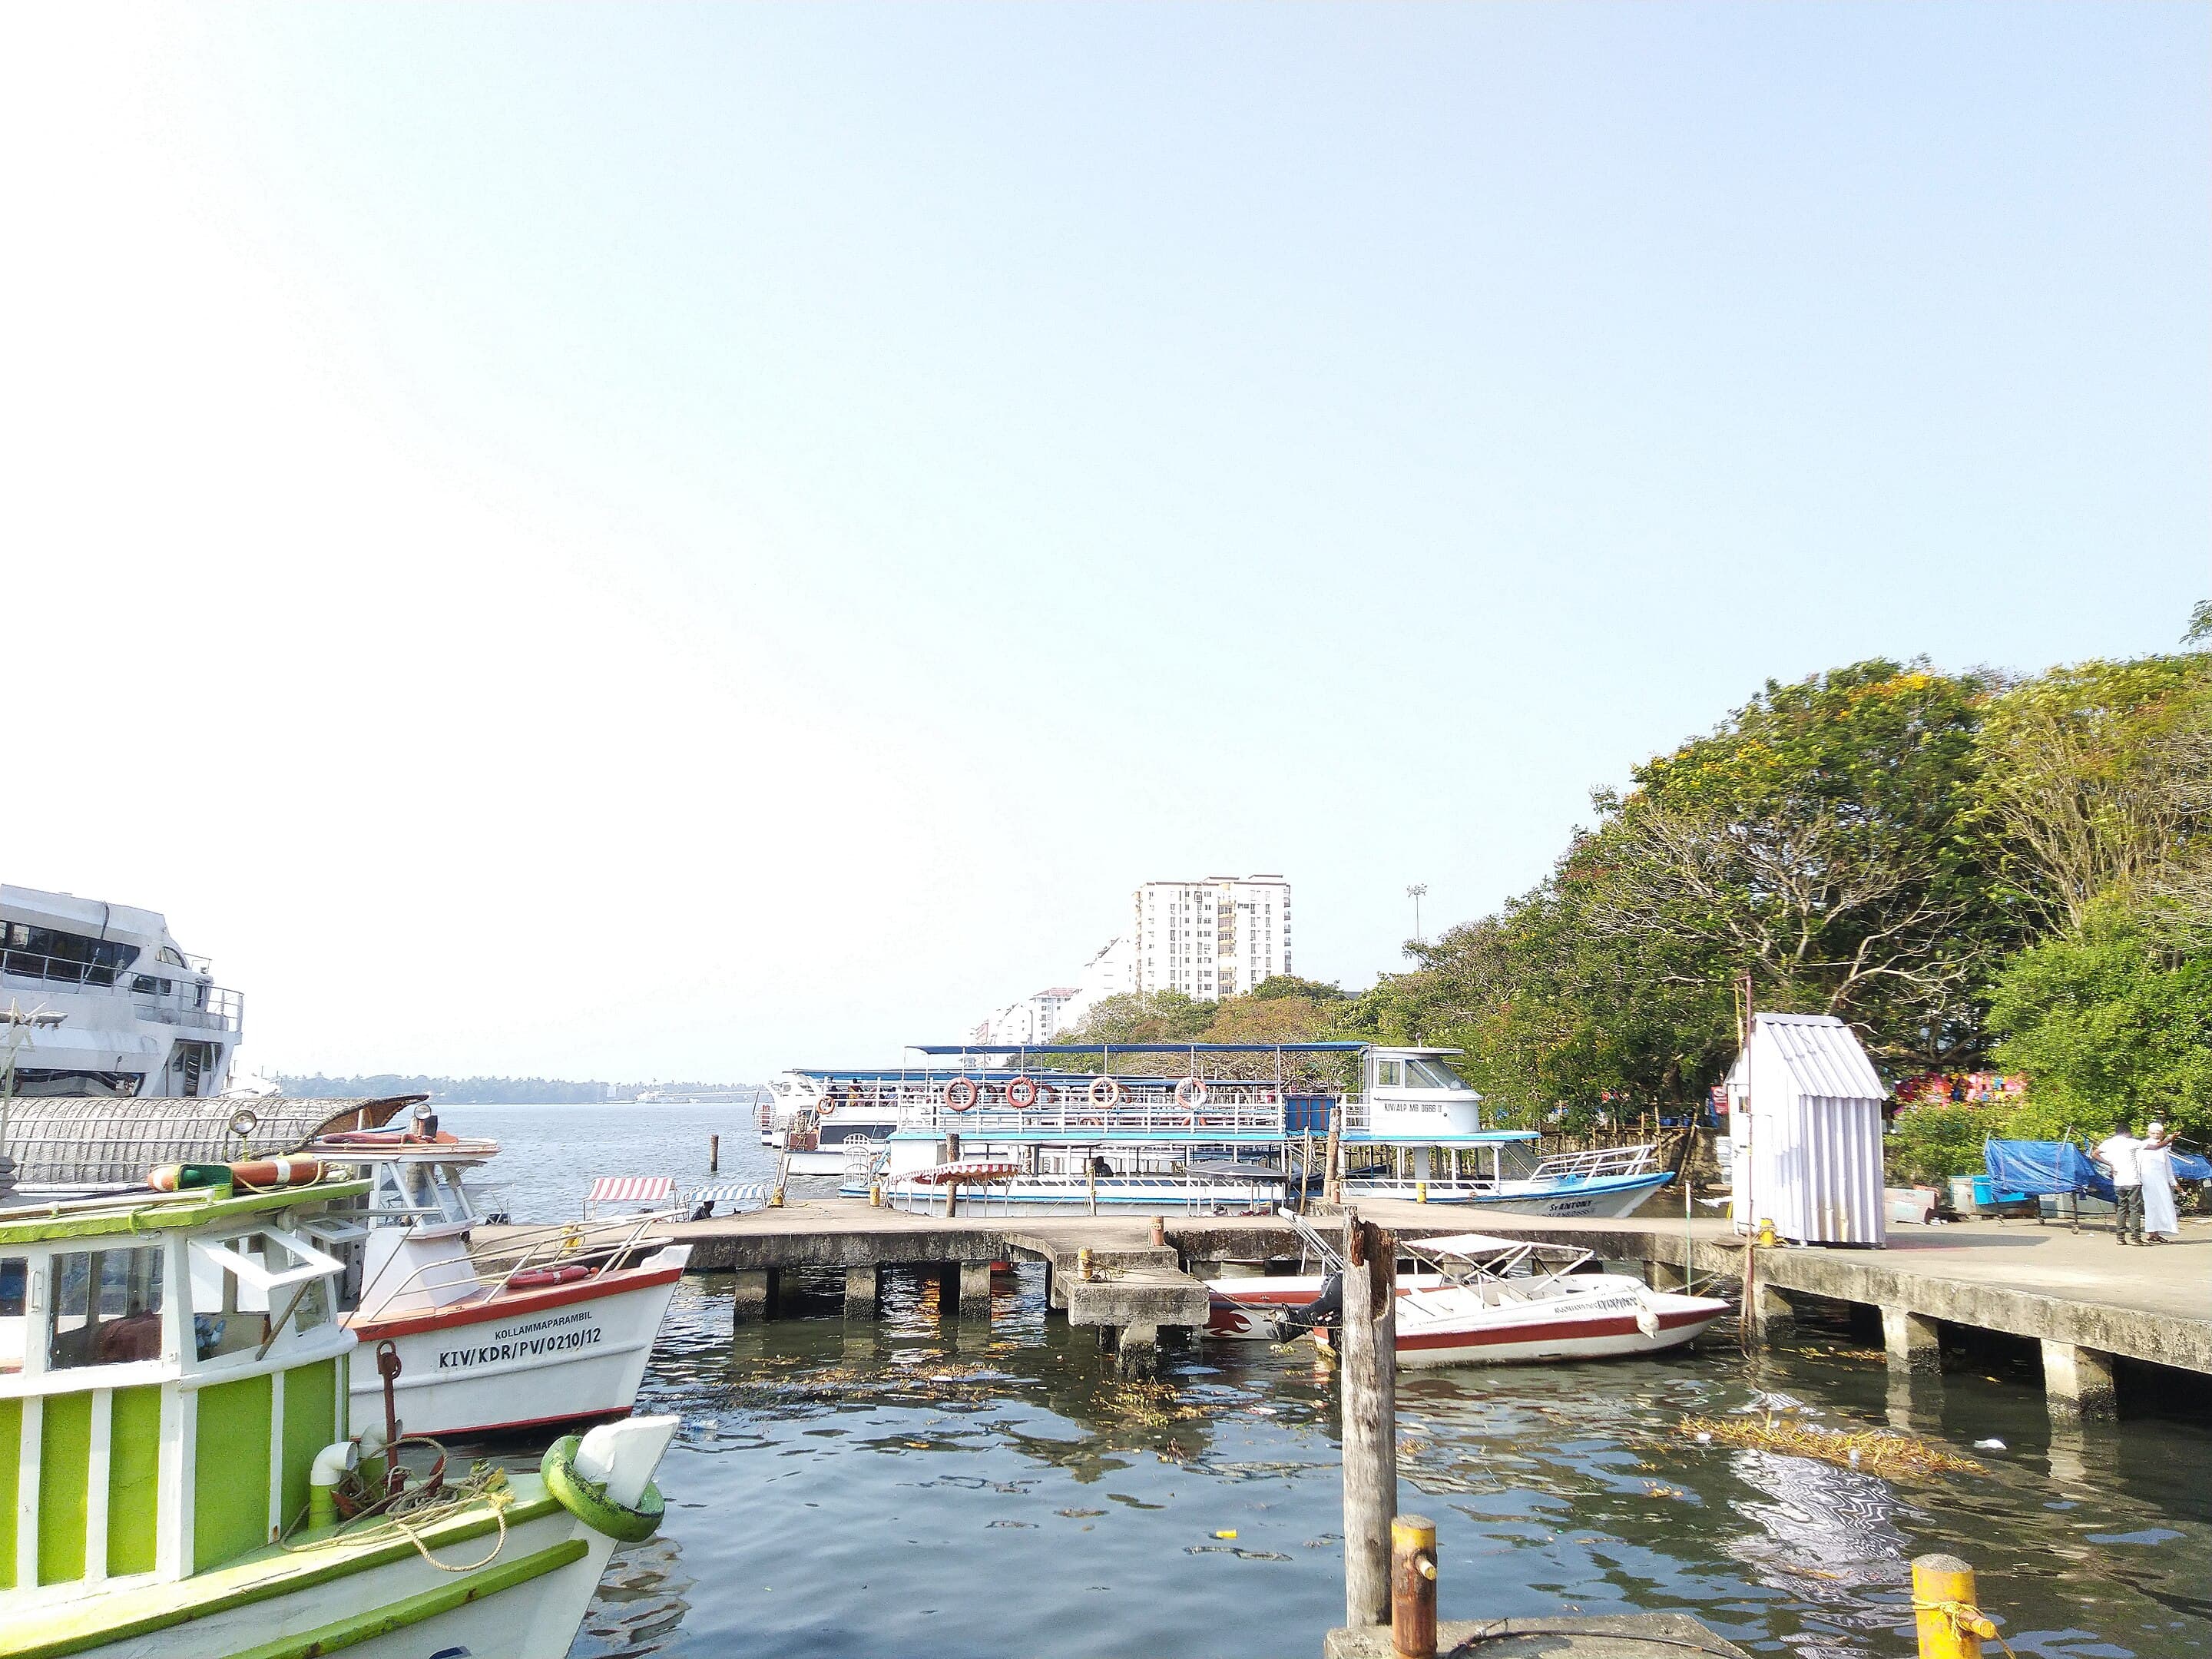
{"points": [[1478, 1300], [1511, 1300], [1608, 1182], [544, 1326], [182, 1452], [108, 1002], [930, 1185]]}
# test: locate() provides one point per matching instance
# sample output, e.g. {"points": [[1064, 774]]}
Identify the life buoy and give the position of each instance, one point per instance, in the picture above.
{"points": [[1022, 1094], [828, 1108], [253, 1174], [1190, 1093], [589, 1501], [1105, 1092], [962, 1093]]}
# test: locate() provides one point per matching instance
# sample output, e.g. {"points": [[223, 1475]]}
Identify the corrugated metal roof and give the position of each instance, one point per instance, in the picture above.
{"points": [[80, 1140], [1822, 1056]]}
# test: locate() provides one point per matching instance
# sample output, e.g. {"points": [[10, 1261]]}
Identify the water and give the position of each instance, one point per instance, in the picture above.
{"points": [[917, 1485]]}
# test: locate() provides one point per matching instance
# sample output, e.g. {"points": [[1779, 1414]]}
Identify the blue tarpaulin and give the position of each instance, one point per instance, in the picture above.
{"points": [[2037, 1167]]}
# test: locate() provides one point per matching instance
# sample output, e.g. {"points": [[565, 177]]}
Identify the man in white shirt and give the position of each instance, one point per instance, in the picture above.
{"points": [[2121, 1155]]}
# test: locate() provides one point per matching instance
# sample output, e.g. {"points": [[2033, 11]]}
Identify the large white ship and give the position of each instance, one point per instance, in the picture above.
{"points": [[106, 1002]]}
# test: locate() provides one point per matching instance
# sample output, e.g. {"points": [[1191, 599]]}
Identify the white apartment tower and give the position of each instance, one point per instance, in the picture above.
{"points": [[1212, 939]]}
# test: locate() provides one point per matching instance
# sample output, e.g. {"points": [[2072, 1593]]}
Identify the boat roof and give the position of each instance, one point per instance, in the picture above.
{"points": [[151, 1212]]}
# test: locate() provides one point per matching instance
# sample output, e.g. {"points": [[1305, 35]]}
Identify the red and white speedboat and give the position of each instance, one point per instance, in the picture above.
{"points": [[544, 1326], [1480, 1300], [1510, 1300]]}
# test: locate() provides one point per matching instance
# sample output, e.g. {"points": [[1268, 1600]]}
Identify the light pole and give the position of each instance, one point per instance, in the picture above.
{"points": [[1414, 893]]}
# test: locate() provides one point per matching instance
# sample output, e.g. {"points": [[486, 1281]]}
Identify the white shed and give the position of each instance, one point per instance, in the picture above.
{"points": [[1805, 1113]]}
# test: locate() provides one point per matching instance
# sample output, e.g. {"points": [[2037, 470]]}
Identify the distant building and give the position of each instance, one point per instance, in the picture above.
{"points": [[1109, 973], [1033, 1020], [1212, 939]]}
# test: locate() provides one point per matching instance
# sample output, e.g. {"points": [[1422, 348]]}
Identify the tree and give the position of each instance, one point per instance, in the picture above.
{"points": [[2097, 779], [1820, 839], [1289, 985], [1143, 1017], [2200, 624], [2111, 1026]]}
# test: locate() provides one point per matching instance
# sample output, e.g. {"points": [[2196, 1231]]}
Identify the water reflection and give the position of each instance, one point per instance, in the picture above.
{"points": [[921, 1484]]}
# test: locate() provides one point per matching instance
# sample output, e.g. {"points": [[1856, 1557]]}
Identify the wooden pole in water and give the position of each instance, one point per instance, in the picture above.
{"points": [[1368, 1381], [1413, 1587], [714, 1154]]}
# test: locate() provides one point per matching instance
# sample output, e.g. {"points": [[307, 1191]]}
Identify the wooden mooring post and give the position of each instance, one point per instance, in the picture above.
{"points": [[714, 1154], [1368, 1386]]}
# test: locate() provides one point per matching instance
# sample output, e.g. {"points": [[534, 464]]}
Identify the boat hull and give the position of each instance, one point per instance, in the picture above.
{"points": [[1601, 1324], [519, 1593], [575, 1353], [1253, 1310], [1600, 1196]]}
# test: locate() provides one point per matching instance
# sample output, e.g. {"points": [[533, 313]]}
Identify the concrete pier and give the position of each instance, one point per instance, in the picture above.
{"points": [[2085, 1301], [975, 1289]]}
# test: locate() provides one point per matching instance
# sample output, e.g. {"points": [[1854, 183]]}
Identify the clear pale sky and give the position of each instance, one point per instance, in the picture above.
{"points": [[669, 542]]}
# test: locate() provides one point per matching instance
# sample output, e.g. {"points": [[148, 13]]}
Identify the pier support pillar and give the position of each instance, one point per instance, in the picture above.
{"points": [[1664, 1276], [2077, 1384], [860, 1293], [753, 1292], [975, 1289], [1137, 1351], [1770, 1310], [1914, 1342]]}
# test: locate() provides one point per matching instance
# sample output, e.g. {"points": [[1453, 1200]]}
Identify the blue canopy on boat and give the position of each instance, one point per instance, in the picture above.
{"points": [[2037, 1167]]}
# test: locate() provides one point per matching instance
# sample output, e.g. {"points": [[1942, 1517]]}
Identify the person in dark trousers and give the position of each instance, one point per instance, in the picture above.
{"points": [[2121, 1155]]}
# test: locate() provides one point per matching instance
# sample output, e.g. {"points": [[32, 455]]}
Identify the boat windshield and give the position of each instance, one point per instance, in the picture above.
{"points": [[1432, 1074]]}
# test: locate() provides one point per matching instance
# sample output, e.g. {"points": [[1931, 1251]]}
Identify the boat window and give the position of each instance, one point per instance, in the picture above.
{"points": [[107, 1307], [14, 1275], [72, 958], [238, 1284], [1387, 1074], [170, 954], [1432, 1074]]}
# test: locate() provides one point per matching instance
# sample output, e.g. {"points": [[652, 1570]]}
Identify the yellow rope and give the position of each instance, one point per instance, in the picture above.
{"points": [[411, 1513], [1965, 1617]]}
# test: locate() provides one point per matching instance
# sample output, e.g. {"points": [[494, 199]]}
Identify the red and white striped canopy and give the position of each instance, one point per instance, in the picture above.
{"points": [[968, 1169], [633, 1189]]}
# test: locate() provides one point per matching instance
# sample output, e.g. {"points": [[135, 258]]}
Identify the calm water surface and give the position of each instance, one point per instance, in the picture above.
{"points": [[919, 1485]]}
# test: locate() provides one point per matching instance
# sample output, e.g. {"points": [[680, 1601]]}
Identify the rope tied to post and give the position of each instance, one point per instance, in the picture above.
{"points": [[1966, 1619]]}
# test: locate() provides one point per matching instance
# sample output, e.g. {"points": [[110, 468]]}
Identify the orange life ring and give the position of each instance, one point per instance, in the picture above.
{"points": [[1190, 1093], [827, 1107], [962, 1093], [1022, 1094], [1105, 1092]]}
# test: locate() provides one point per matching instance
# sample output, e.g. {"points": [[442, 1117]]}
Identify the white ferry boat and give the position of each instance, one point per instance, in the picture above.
{"points": [[107, 1002]]}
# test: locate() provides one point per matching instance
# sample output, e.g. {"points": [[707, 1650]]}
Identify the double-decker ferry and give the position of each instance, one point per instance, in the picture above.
{"points": [[99, 998]]}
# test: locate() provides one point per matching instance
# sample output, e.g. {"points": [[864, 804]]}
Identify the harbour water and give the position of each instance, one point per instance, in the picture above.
{"points": [[915, 1485]]}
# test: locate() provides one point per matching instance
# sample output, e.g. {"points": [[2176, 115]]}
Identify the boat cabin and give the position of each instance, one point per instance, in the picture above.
{"points": [[170, 1367], [1414, 1094]]}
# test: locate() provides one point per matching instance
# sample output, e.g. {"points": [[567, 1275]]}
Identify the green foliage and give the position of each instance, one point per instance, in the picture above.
{"points": [[1930, 1143], [1145, 1017], [2200, 624], [1289, 985], [2111, 1026]]}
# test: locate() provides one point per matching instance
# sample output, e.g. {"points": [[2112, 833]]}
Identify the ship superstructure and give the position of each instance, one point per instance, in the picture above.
{"points": [[107, 1002]]}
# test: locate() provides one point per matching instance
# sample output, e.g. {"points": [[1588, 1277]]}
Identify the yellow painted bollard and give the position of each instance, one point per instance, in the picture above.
{"points": [[1765, 1235], [775, 1199], [1949, 1623], [876, 1195], [1082, 1265], [1412, 1587], [1420, 1192]]}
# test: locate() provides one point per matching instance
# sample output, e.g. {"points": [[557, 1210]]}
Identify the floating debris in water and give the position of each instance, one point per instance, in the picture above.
{"points": [[1991, 1444], [1880, 1451], [1079, 1515]]}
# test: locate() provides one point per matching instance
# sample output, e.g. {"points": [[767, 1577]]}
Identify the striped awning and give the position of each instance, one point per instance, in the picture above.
{"points": [[967, 1169], [633, 1189]]}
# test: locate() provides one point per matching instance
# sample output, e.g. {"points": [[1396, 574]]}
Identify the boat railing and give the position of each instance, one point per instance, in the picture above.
{"points": [[598, 1246], [211, 1007], [1596, 1161], [1196, 1194], [1136, 1113]]}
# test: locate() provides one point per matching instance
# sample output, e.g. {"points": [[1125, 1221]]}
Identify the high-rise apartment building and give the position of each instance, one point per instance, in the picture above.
{"points": [[1212, 939]]}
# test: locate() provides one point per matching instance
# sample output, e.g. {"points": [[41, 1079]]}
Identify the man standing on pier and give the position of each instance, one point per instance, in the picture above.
{"points": [[2121, 1155]]}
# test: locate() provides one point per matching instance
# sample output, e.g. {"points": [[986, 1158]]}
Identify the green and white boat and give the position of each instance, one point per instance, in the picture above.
{"points": [[175, 1451]]}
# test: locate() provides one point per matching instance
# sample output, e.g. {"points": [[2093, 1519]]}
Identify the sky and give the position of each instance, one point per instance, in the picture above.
{"points": [[674, 542]]}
